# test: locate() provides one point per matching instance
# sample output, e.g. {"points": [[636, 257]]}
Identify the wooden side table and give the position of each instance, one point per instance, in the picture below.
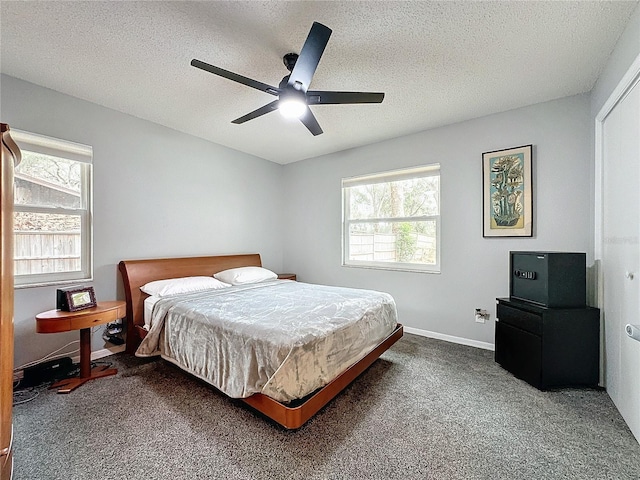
{"points": [[287, 276], [56, 321]]}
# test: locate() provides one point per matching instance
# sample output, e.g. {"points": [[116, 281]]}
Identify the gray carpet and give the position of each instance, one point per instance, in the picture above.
{"points": [[426, 410]]}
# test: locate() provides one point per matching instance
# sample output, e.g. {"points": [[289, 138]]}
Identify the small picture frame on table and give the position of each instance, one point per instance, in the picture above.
{"points": [[76, 298]]}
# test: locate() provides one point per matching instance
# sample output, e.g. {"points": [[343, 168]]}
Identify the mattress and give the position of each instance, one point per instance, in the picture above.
{"points": [[149, 303], [280, 338]]}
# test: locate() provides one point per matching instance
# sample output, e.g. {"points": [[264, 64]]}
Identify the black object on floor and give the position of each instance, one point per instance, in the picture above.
{"points": [[49, 371]]}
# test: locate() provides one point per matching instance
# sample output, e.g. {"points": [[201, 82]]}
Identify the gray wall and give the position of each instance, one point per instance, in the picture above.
{"points": [[474, 269], [156, 193]]}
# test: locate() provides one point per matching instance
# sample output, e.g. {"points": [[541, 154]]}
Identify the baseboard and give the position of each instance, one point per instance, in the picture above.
{"points": [[104, 352], [450, 338]]}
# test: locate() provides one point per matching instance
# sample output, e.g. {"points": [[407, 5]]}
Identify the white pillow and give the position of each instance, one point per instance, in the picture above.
{"points": [[243, 275], [174, 286]]}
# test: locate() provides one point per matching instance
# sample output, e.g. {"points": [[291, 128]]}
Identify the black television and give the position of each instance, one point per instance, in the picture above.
{"points": [[549, 279]]}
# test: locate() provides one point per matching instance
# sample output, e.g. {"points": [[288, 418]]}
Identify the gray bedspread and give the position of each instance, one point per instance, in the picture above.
{"points": [[281, 338]]}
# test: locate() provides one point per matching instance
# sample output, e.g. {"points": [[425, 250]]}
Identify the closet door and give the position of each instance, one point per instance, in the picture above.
{"points": [[621, 251], [10, 158]]}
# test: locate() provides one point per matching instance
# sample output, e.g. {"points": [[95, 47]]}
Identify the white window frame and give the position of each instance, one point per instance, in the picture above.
{"points": [[387, 177], [32, 142]]}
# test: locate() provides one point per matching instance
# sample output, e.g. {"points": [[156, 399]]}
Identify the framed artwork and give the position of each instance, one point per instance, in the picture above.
{"points": [[78, 299], [507, 193]]}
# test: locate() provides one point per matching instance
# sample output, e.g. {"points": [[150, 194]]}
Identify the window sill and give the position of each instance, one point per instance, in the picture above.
{"points": [[52, 283], [395, 268]]}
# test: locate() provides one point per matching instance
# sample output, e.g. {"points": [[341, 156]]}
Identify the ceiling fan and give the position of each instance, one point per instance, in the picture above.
{"points": [[294, 96]]}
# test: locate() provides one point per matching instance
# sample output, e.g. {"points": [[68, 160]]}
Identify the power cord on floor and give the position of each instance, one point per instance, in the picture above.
{"points": [[26, 395], [30, 393], [50, 356]]}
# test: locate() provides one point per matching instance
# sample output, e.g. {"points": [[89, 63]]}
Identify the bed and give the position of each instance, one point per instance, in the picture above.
{"points": [[276, 395]]}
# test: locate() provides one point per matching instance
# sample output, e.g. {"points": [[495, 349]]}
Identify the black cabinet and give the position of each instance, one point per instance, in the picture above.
{"points": [[548, 347]]}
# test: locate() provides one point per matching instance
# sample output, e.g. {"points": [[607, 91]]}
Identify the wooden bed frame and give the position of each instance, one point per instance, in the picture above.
{"points": [[136, 273]]}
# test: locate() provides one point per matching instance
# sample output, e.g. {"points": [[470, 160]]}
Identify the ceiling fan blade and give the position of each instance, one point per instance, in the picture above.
{"points": [[309, 57], [269, 107], [319, 97], [311, 123], [263, 87]]}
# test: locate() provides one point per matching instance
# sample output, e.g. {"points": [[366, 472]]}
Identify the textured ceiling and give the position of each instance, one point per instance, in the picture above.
{"points": [[437, 62]]}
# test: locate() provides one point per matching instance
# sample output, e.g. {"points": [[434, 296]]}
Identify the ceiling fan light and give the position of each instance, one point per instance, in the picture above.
{"points": [[292, 107]]}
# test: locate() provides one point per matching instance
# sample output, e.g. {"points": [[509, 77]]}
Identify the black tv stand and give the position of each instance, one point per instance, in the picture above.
{"points": [[548, 347]]}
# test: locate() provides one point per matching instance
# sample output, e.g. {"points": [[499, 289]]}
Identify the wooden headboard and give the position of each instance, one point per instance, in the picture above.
{"points": [[136, 273]]}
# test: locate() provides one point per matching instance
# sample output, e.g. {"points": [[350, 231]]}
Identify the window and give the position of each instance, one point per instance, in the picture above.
{"points": [[52, 212], [391, 220]]}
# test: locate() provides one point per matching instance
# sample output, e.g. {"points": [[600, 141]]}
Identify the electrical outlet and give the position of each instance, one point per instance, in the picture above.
{"points": [[481, 315]]}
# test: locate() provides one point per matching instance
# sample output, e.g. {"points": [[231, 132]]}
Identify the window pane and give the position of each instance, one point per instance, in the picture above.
{"points": [[403, 242], [48, 181], [52, 221], [404, 198], [46, 243]]}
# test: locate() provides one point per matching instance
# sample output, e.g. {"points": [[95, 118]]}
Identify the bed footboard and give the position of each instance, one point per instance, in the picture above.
{"points": [[294, 417]]}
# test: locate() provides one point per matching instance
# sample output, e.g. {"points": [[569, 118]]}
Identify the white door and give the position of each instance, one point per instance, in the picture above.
{"points": [[620, 250]]}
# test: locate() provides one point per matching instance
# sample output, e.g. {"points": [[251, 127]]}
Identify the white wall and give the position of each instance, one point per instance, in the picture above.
{"points": [[623, 55], [157, 193], [474, 269]]}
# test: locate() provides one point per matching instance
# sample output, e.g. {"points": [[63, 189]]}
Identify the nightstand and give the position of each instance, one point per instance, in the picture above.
{"points": [[287, 276], [56, 321]]}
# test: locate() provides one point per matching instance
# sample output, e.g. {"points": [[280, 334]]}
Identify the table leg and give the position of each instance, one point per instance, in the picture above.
{"points": [[85, 353], [86, 372]]}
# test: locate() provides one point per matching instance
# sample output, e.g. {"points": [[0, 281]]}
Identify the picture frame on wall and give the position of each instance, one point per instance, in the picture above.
{"points": [[507, 192]]}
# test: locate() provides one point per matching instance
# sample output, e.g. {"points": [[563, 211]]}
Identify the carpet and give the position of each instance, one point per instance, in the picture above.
{"points": [[427, 409]]}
